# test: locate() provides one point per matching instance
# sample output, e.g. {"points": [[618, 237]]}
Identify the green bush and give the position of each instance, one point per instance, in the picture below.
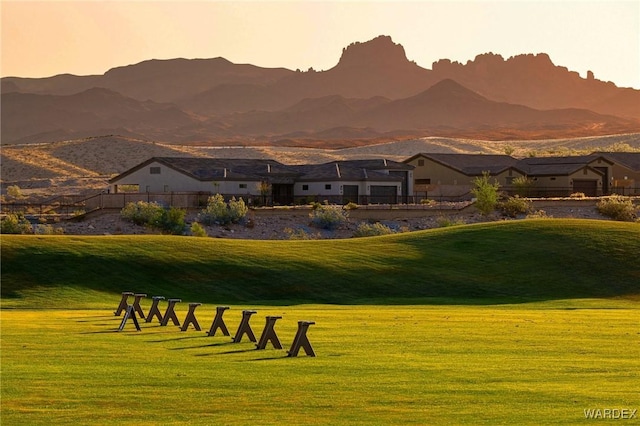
{"points": [[220, 212], [43, 229], [445, 222], [513, 206], [143, 213], [198, 230], [523, 185], [372, 230], [15, 223], [173, 221], [300, 234], [486, 193], [618, 207], [328, 217], [155, 216]]}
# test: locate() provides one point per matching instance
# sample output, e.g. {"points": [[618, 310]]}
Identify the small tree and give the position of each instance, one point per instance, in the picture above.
{"points": [[486, 193]]}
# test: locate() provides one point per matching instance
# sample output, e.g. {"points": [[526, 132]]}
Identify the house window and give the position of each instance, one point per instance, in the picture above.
{"points": [[327, 186], [423, 181], [154, 170], [305, 187], [552, 178], [243, 186], [420, 163]]}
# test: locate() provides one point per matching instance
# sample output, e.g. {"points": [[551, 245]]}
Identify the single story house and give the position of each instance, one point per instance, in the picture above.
{"points": [[563, 176], [361, 181], [625, 172], [452, 175]]}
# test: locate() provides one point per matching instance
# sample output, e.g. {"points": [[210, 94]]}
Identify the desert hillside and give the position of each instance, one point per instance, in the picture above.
{"points": [[85, 165]]}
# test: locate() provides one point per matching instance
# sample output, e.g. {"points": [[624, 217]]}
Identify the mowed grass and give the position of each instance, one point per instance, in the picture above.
{"points": [[528, 322], [500, 262], [538, 363]]}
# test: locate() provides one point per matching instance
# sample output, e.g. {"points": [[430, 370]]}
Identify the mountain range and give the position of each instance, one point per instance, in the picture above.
{"points": [[374, 92]]}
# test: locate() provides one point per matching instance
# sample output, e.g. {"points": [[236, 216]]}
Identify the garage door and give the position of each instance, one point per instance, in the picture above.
{"points": [[587, 187]]}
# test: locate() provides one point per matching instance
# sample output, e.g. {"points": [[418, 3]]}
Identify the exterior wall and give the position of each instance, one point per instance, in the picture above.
{"points": [[170, 180], [437, 173], [562, 185], [625, 181], [319, 189], [447, 182]]}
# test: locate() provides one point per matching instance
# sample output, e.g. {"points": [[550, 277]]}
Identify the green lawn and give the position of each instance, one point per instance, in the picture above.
{"points": [[538, 363], [528, 322]]}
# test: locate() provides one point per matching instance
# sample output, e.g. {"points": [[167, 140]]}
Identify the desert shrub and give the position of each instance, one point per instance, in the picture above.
{"points": [[350, 206], [300, 234], [155, 216], [328, 217], [15, 223], [618, 207], [513, 206], [523, 185], [198, 230], [486, 193], [220, 212], [14, 191], [372, 229], [427, 202], [578, 195], [173, 221], [143, 213], [445, 222], [539, 214], [43, 229]]}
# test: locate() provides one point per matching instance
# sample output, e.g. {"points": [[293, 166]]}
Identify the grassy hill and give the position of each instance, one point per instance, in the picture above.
{"points": [[486, 263]]}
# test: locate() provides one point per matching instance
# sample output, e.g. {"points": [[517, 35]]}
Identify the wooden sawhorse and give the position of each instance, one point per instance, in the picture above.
{"points": [[191, 318], [218, 322], [136, 304], [154, 311], [301, 340], [123, 303], [170, 314], [245, 328], [269, 334]]}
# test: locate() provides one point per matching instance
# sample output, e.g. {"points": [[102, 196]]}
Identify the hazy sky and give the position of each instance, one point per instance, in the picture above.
{"points": [[88, 37]]}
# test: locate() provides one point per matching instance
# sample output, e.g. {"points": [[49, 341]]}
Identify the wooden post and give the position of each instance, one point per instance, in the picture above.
{"points": [[129, 313], [123, 303], [269, 334], [154, 311], [170, 314], [301, 340], [218, 322], [245, 328], [191, 318], [136, 304]]}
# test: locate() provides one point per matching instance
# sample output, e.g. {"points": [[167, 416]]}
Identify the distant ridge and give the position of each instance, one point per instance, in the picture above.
{"points": [[374, 91]]}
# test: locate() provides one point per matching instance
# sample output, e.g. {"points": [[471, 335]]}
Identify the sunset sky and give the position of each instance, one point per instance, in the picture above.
{"points": [[42, 39]]}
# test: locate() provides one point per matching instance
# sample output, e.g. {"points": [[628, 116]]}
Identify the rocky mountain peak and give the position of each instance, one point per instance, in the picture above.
{"points": [[379, 52]]}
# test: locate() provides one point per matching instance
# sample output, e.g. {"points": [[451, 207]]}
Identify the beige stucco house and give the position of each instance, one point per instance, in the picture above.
{"points": [[452, 175], [360, 181]]}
